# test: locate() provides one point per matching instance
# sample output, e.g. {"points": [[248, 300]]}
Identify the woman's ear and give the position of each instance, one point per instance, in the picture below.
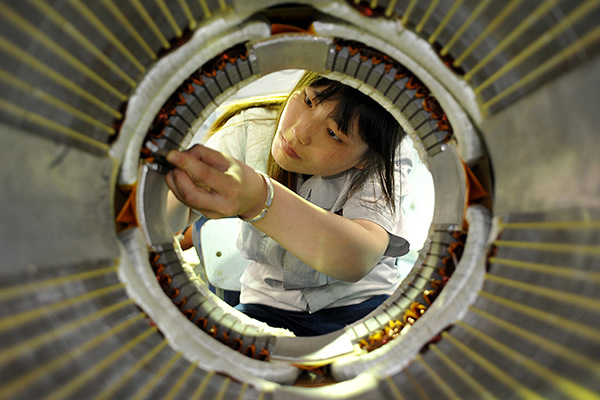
{"points": [[362, 165]]}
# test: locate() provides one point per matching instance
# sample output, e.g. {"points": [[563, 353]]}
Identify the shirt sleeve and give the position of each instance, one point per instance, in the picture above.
{"points": [[370, 204], [231, 138], [247, 137]]}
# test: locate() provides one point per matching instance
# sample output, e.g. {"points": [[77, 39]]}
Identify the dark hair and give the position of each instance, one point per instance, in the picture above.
{"points": [[376, 127]]}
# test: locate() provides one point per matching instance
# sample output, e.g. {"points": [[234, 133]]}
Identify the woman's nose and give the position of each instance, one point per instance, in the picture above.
{"points": [[302, 132]]}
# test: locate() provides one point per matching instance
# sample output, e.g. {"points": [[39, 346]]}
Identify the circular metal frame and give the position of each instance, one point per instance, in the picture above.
{"points": [[370, 70], [519, 310]]}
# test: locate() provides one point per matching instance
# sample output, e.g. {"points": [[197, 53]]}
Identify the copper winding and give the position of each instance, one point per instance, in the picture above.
{"points": [[395, 327], [169, 109], [165, 280], [367, 9], [429, 103]]}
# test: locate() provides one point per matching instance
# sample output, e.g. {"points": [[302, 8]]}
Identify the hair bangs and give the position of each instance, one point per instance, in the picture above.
{"points": [[345, 112]]}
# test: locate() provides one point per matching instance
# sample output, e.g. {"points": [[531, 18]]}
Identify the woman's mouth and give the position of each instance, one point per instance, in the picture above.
{"points": [[288, 150]]}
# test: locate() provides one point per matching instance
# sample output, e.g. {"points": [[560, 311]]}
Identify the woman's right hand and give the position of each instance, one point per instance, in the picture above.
{"points": [[215, 184]]}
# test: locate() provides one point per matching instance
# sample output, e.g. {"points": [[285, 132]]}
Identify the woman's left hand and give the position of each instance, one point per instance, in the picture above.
{"points": [[215, 184]]}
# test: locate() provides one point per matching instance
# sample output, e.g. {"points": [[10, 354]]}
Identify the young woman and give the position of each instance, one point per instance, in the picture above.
{"points": [[323, 217]]}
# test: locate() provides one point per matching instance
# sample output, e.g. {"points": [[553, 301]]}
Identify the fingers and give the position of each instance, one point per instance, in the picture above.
{"points": [[199, 199], [207, 155], [205, 167], [187, 192], [205, 180]]}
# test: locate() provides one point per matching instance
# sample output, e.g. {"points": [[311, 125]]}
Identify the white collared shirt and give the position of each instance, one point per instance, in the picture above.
{"points": [[277, 278]]}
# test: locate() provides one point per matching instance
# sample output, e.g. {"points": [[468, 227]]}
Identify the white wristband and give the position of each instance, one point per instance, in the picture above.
{"points": [[270, 193]]}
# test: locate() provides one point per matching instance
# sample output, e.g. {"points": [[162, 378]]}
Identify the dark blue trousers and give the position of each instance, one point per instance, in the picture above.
{"points": [[303, 323]]}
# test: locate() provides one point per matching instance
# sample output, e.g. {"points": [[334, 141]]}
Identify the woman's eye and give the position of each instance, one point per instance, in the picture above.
{"points": [[307, 100], [333, 135]]}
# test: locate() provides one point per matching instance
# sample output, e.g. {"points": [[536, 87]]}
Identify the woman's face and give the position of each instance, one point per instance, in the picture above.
{"points": [[308, 140]]}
